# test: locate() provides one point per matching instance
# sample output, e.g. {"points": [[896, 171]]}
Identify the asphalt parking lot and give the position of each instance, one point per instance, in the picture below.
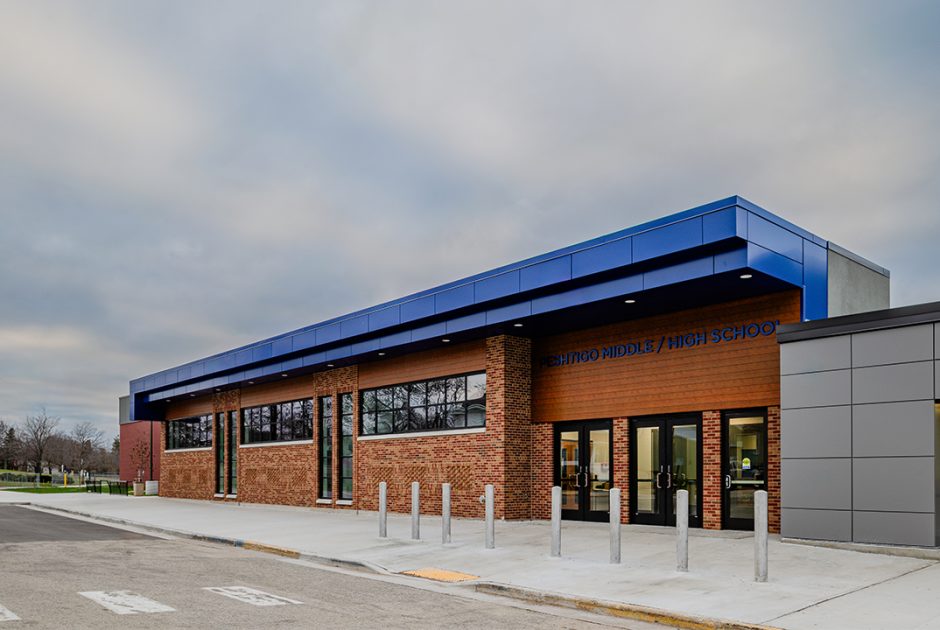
{"points": [[59, 572]]}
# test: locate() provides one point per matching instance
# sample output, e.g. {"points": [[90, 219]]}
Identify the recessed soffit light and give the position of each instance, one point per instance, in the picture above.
{"points": [[445, 340], [629, 301], [517, 325], [329, 365], [746, 276], [381, 354], [284, 374]]}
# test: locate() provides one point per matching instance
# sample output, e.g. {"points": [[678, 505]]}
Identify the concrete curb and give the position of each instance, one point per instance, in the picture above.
{"points": [[222, 540], [615, 609]]}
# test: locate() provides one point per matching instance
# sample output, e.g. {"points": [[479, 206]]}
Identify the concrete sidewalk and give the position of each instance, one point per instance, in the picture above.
{"points": [[809, 587]]}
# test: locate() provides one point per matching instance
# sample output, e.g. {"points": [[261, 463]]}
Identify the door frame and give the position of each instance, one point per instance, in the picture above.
{"points": [[583, 427], [743, 524], [665, 423]]}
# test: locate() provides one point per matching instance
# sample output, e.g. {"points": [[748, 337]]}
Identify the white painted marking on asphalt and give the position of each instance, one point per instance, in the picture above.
{"points": [[126, 602], [7, 615], [251, 595]]}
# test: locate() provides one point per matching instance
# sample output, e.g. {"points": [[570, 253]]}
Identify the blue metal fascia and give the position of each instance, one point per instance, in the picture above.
{"points": [[776, 248], [815, 281], [473, 289]]}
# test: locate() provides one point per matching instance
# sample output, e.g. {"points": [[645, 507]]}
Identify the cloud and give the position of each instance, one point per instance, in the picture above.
{"points": [[177, 179]]}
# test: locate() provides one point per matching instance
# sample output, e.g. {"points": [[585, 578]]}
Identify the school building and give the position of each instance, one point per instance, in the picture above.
{"points": [[646, 359]]}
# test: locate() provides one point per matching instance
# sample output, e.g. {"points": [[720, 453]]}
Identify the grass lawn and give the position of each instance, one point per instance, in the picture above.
{"points": [[47, 490]]}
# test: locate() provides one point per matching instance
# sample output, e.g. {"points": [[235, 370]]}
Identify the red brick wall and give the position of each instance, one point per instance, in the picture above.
{"points": [[543, 468], [456, 459], [186, 474], [621, 427], [773, 469], [711, 469], [283, 474], [131, 433], [499, 456], [508, 411]]}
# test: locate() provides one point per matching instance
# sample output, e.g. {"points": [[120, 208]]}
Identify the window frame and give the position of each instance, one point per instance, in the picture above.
{"points": [[266, 423], [188, 433], [325, 447], [380, 407], [343, 436]]}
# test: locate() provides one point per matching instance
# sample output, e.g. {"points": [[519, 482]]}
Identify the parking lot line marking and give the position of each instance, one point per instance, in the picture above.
{"points": [[251, 595], [126, 602], [7, 615]]}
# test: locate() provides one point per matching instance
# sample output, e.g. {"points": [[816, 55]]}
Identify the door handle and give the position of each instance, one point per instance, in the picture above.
{"points": [[587, 479], [659, 477], [669, 476], [727, 482], [577, 479]]}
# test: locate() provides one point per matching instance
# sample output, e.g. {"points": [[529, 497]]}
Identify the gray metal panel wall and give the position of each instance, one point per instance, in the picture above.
{"points": [[855, 288], [859, 437]]}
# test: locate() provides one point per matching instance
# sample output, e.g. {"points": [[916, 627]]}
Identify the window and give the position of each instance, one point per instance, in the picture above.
{"points": [[454, 402], [346, 446], [232, 453], [281, 422], [326, 447], [220, 454], [193, 432]]}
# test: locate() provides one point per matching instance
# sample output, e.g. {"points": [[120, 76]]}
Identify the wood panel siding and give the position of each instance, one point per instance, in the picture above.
{"points": [[457, 359], [726, 375], [285, 390], [189, 407]]}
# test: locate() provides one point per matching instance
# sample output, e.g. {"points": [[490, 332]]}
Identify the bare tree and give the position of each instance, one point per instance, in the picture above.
{"points": [[89, 440], [140, 455], [37, 430]]}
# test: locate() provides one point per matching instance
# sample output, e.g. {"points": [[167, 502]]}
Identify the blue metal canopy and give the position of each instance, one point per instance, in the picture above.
{"points": [[680, 261]]}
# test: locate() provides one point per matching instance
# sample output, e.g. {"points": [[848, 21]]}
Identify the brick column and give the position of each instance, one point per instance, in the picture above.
{"points": [[711, 469], [773, 469], [621, 455], [508, 423]]}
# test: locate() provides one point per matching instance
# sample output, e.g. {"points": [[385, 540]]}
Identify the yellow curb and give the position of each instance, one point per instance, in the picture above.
{"points": [[278, 551], [440, 575], [627, 611]]}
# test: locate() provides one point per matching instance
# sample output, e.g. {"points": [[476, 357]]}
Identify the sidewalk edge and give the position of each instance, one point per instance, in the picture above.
{"points": [[223, 540], [615, 609]]}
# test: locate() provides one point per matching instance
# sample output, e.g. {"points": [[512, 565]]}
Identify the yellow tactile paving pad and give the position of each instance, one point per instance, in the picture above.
{"points": [[440, 575]]}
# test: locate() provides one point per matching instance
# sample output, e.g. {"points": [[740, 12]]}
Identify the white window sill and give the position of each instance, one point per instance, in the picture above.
{"points": [[291, 443], [231, 496], [171, 451], [344, 502], [218, 495], [420, 434], [324, 501]]}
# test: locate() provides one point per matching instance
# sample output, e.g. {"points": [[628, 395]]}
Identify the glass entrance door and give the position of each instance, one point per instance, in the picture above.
{"points": [[583, 466], [744, 466], [666, 457]]}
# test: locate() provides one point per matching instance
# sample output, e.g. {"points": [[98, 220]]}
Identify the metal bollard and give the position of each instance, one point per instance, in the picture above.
{"points": [[760, 536], [682, 531], [383, 509], [615, 525], [490, 524], [445, 513], [556, 521], [415, 510]]}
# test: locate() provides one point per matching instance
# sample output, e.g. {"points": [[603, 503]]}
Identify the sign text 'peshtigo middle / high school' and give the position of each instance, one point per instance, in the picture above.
{"points": [[664, 343]]}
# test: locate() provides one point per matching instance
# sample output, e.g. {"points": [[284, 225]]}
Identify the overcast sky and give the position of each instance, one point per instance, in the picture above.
{"points": [[179, 178]]}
